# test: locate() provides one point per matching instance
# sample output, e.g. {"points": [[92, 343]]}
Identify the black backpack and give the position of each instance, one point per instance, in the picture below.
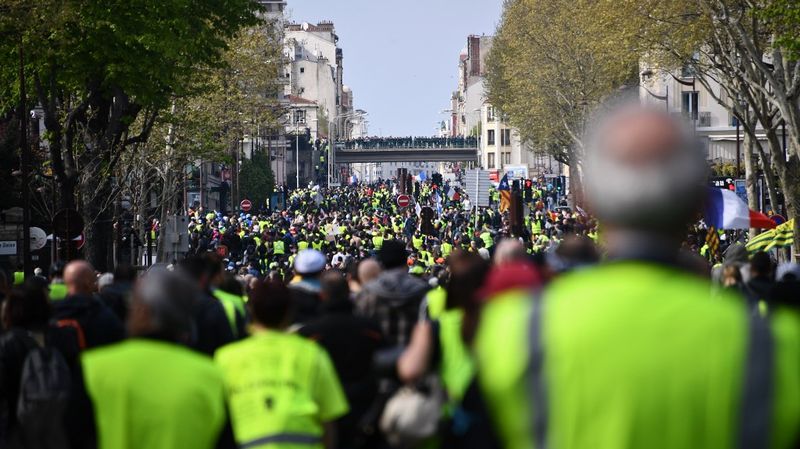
{"points": [[44, 391]]}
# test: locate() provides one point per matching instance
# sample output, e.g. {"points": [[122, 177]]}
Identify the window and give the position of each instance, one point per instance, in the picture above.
{"points": [[299, 117], [302, 70], [505, 137], [490, 137], [490, 162], [506, 158], [490, 115], [689, 102]]}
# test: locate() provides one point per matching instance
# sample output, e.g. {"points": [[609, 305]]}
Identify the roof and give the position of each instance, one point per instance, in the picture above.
{"points": [[294, 99]]}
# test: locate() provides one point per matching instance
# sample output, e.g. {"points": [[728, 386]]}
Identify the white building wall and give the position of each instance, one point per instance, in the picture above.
{"points": [[312, 65], [715, 125]]}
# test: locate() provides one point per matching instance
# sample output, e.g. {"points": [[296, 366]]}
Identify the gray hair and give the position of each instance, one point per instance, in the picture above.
{"points": [[170, 297], [661, 195]]}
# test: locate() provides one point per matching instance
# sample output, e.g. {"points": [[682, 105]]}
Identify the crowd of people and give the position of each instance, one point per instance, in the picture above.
{"points": [[345, 321], [411, 142]]}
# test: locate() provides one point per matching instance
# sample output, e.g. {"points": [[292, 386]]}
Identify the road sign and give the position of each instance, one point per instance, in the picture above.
{"points": [[79, 241], [477, 183], [778, 219], [246, 205], [67, 223], [38, 239], [403, 200]]}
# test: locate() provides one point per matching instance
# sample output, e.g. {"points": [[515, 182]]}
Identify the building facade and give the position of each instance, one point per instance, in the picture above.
{"points": [[681, 94], [500, 146], [314, 66]]}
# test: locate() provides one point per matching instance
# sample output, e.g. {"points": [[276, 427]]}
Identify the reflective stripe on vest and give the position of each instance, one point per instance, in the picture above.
{"points": [[536, 373], [758, 391], [288, 438]]}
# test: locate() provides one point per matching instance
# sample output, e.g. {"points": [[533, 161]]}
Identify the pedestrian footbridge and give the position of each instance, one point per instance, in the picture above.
{"points": [[420, 154]]}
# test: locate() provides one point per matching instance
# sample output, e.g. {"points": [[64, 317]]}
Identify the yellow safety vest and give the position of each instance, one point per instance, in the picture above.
{"points": [[279, 248], [488, 242], [302, 245], [377, 241], [284, 403], [233, 305], [58, 291], [446, 249]]}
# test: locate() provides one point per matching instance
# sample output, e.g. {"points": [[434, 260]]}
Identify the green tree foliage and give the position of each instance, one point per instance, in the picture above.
{"points": [[96, 67], [238, 99], [552, 63], [783, 16], [256, 181], [745, 54]]}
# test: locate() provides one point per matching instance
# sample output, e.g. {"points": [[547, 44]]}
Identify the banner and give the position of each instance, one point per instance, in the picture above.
{"points": [[780, 237]]}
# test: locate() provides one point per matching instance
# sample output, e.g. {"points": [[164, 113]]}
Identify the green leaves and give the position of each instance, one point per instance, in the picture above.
{"points": [[255, 178], [552, 62]]}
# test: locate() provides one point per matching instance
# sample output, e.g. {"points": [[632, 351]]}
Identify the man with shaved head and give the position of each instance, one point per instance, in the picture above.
{"points": [[93, 322], [635, 352]]}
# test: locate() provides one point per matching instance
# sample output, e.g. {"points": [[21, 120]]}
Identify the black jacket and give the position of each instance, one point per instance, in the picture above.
{"points": [[351, 342], [99, 324], [211, 325]]}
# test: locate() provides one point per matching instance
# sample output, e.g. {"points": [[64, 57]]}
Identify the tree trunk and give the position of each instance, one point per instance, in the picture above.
{"points": [[750, 177], [770, 183], [98, 230]]}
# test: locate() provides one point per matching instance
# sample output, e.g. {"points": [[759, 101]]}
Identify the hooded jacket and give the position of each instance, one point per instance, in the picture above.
{"points": [[393, 299]]}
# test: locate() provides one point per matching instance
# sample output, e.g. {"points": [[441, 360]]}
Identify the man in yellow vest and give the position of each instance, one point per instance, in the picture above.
{"points": [[151, 391], [279, 247], [446, 248], [635, 352], [377, 240], [282, 389]]}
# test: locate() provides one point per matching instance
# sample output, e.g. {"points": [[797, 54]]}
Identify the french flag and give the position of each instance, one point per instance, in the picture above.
{"points": [[725, 210]]}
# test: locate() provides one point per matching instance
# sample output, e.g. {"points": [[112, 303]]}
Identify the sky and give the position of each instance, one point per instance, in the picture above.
{"points": [[401, 56]]}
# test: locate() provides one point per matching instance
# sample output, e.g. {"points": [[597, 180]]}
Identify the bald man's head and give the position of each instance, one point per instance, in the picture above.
{"points": [[644, 171], [79, 276]]}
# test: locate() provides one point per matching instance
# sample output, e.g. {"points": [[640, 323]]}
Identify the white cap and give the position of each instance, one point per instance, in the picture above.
{"points": [[309, 261]]}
